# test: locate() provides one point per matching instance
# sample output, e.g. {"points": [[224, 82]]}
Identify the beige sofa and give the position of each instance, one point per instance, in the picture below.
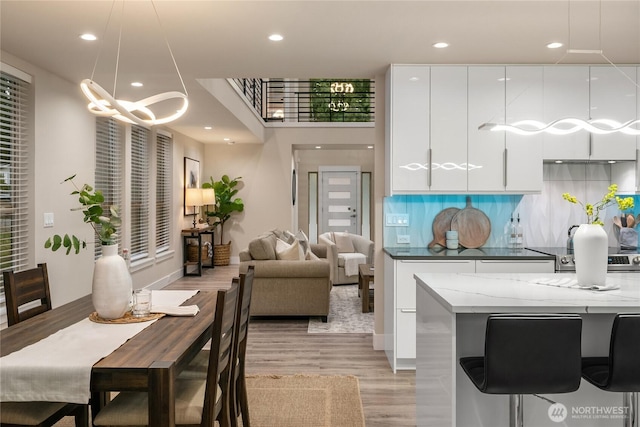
{"points": [[340, 246], [284, 287]]}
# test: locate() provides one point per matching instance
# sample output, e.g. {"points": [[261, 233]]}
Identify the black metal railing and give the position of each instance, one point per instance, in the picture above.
{"points": [[315, 100]]}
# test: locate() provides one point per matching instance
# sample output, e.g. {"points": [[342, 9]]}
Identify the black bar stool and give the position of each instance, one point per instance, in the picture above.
{"points": [[620, 372], [527, 354]]}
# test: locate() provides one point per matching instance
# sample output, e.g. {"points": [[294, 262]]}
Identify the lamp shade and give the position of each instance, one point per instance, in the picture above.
{"points": [[193, 197], [208, 196]]}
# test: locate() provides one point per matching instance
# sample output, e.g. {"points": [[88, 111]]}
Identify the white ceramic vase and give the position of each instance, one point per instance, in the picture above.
{"points": [[590, 249], [112, 286]]}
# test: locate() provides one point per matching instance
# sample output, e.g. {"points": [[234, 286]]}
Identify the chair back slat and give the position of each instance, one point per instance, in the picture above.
{"points": [[26, 287], [624, 353], [218, 373]]}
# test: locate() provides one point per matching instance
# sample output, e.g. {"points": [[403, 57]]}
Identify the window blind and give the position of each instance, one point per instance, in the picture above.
{"points": [[15, 106], [108, 175], [164, 168], [139, 193]]}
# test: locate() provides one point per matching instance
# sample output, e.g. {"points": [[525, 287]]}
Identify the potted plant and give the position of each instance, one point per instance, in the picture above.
{"points": [[111, 285], [226, 205]]}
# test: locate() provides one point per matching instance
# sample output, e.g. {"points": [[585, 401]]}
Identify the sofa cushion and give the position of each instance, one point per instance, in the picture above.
{"points": [[263, 247], [289, 252], [343, 242], [304, 242]]}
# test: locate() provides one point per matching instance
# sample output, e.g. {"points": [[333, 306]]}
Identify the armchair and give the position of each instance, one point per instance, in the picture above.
{"points": [[345, 252]]}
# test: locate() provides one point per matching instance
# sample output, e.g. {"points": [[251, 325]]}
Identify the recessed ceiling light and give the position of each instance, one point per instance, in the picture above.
{"points": [[554, 45], [136, 84], [88, 37], [414, 79], [369, 146], [440, 45], [226, 139], [208, 127], [318, 147], [275, 37]]}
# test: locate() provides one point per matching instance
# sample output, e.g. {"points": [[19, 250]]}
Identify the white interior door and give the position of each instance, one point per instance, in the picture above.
{"points": [[339, 198]]}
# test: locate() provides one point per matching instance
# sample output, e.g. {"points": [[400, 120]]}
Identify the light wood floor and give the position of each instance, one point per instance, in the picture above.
{"points": [[283, 346]]}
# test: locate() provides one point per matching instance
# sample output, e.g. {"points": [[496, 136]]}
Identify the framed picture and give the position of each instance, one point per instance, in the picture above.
{"points": [[191, 180]]}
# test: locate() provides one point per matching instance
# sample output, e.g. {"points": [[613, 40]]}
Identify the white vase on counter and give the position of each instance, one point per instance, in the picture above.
{"points": [[112, 285], [590, 249]]}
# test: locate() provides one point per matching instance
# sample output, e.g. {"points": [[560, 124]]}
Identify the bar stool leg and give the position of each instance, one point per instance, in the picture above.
{"points": [[516, 412], [630, 401]]}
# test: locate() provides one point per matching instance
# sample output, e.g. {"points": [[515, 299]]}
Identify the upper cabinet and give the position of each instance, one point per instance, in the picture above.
{"points": [[448, 141], [566, 94], [408, 129]]}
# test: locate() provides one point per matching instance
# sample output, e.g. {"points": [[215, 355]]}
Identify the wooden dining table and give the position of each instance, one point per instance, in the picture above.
{"points": [[148, 362]]}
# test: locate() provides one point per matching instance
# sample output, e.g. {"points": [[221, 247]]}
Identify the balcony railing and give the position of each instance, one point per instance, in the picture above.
{"points": [[310, 101]]}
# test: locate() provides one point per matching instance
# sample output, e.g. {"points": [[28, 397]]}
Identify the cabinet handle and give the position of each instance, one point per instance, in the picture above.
{"points": [[430, 169], [504, 174], [407, 310], [590, 142]]}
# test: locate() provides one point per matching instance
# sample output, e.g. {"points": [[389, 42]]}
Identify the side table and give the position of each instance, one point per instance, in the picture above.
{"points": [[365, 277], [190, 235]]}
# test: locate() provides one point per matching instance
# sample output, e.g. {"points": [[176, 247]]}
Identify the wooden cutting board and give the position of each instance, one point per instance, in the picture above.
{"points": [[442, 224], [473, 226]]}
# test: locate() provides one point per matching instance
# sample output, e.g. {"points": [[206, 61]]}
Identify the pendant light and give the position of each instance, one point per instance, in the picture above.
{"points": [[103, 103], [569, 125]]}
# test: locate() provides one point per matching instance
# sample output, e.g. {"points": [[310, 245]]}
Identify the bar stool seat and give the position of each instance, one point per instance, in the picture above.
{"points": [[620, 371], [527, 354]]}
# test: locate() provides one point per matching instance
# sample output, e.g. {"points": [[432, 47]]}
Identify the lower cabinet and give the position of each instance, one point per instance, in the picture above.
{"points": [[400, 297]]}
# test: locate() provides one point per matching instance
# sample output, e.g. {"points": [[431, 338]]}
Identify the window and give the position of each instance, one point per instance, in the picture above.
{"points": [[164, 168], [14, 174], [108, 177], [139, 193]]}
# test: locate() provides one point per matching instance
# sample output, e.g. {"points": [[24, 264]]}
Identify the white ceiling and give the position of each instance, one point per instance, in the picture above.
{"points": [[358, 39]]}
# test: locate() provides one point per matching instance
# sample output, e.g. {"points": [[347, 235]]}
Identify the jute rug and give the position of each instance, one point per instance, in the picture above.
{"points": [[304, 401], [299, 401], [345, 314]]}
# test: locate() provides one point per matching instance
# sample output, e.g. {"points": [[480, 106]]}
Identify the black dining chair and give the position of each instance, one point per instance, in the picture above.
{"points": [[22, 288], [527, 354], [198, 402], [238, 398], [620, 371]]}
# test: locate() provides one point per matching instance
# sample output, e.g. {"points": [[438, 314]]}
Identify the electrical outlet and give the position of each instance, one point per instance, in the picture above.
{"points": [[403, 238]]}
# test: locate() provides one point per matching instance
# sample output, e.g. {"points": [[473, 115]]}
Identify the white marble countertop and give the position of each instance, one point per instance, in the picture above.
{"points": [[499, 293]]}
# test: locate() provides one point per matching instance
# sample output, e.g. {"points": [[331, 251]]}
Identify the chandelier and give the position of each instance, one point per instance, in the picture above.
{"points": [[105, 104]]}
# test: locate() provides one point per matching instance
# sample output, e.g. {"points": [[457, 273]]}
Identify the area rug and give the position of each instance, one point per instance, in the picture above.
{"points": [[345, 314], [299, 401], [304, 401]]}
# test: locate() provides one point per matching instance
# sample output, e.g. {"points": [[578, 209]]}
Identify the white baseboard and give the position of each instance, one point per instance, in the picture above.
{"points": [[378, 341], [164, 281]]}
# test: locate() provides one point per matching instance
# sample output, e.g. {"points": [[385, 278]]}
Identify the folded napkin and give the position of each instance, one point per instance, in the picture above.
{"points": [[182, 310], [571, 282]]}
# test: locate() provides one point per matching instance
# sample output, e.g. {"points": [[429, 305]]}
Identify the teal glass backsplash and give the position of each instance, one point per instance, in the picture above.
{"points": [[422, 209]]}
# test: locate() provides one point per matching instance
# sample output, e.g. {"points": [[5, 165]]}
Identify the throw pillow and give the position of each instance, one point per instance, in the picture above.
{"points": [[289, 252], [263, 247], [312, 257], [288, 236], [343, 242], [304, 242]]}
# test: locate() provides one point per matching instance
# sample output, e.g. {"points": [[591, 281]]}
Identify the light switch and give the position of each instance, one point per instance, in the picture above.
{"points": [[48, 219]]}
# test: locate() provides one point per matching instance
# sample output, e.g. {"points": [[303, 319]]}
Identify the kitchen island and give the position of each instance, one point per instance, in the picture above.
{"points": [[452, 309]]}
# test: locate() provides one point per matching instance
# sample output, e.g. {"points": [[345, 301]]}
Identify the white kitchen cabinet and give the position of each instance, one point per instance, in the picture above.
{"points": [[627, 176], [566, 94], [613, 96], [400, 296], [408, 129], [448, 140], [486, 149], [529, 266], [523, 153]]}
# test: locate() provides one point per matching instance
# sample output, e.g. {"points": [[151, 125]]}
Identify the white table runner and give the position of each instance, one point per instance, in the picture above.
{"points": [[58, 368]]}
